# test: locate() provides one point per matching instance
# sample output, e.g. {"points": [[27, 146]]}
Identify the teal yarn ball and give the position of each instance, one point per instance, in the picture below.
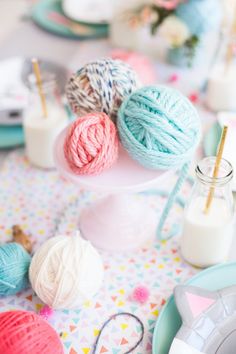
{"points": [[14, 267], [159, 127]]}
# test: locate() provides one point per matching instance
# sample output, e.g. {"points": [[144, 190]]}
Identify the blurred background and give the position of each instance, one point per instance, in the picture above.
{"points": [[189, 45]]}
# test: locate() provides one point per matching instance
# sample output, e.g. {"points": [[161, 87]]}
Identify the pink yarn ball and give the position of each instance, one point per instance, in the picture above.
{"points": [[91, 144], [23, 332], [141, 294], [139, 63]]}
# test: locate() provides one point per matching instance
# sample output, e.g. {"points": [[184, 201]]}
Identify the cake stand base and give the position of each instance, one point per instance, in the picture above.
{"points": [[122, 220], [118, 222]]}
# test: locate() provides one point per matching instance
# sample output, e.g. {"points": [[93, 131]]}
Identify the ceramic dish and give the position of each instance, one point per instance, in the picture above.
{"points": [[11, 136], [89, 11], [48, 15], [169, 321]]}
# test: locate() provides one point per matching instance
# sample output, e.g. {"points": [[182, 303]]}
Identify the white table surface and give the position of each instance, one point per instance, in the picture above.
{"points": [[19, 37]]}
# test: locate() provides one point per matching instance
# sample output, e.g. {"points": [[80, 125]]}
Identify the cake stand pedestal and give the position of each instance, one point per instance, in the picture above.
{"points": [[120, 220]]}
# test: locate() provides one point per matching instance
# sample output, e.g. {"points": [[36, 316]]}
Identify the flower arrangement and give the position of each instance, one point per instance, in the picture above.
{"points": [[163, 18]]}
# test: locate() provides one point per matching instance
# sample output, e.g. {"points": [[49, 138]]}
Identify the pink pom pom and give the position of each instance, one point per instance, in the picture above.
{"points": [[139, 62], [140, 294], [91, 144], [173, 78], [46, 312], [193, 97]]}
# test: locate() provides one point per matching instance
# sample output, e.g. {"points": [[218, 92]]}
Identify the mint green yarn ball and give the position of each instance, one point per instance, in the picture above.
{"points": [[159, 127], [14, 267]]}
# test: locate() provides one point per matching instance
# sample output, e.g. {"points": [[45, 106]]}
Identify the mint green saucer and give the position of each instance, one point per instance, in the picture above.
{"points": [[211, 140], [169, 321], [11, 136], [48, 13]]}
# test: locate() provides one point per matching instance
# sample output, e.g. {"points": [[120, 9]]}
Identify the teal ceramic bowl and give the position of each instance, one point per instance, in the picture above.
{"points": [[48, 14], [11, 136], [169, 321]]}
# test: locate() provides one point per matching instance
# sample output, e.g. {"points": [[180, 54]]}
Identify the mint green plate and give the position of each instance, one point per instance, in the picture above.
{"points": [[169, 321], [211, 140], [45, 12], [11, 136]]}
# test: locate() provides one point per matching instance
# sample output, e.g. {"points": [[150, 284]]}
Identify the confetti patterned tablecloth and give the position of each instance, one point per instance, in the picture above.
{"points": [[38, 201]]}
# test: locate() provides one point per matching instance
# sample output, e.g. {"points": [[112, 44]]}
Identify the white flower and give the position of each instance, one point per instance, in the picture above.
{"points": [[174, 31]]}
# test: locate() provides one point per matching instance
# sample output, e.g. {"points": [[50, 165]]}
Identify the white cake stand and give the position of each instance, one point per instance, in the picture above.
{"points": [[119, 220]]}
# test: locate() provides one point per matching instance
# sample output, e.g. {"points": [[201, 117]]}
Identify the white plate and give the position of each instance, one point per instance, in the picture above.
{"points": [[89, 11]]}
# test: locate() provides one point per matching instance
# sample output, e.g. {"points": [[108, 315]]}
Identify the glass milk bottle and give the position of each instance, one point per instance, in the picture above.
{"points": [[207, 237], [221, 88], [40, 130]]}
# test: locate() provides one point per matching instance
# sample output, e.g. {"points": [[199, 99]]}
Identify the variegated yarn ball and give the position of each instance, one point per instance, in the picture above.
{"points": [[101, 86]]}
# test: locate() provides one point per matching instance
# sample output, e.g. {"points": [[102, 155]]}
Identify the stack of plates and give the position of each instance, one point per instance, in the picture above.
{"points": [[76, 19]]}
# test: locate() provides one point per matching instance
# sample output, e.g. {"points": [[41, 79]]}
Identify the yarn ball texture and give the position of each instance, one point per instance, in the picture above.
{"points": [[91, 144], [159, 127], [142, 65], [200, 15], [14, 267], [101, 86], [23, 332], [66, 271]]}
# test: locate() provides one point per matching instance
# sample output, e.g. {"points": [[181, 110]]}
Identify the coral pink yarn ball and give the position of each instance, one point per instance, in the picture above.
{"points": [[91, 144], [23, 332], [141, 64]]}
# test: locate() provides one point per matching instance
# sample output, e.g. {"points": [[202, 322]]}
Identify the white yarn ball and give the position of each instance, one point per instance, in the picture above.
{"points": [[66, 271]]}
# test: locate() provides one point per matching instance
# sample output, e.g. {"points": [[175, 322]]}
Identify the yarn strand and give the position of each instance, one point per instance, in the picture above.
{"points": [[171, 200], [113, 317]]}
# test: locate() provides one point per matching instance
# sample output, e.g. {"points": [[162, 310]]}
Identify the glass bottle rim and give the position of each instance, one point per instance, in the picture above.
{"points": [[209, 179], [49, 82]]}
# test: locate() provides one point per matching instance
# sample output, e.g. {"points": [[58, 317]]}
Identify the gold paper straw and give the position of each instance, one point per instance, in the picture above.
{"points": [[216, 169], [39, 85]]}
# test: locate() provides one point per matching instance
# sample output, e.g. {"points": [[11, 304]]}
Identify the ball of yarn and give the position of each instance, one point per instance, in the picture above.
{"points": [[23, 332], [139, 62], [101, 86], [200, 15], [14, 266], [159, 127], [91, 144], [66, 271]]}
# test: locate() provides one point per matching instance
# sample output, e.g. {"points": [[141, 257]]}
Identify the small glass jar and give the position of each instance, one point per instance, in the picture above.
{"points": [[221, 87], [207, 236], [42, 127]]}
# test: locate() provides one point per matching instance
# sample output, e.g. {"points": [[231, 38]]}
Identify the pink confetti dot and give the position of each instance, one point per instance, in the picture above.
{"points": [[173, 78], [193, 97]]}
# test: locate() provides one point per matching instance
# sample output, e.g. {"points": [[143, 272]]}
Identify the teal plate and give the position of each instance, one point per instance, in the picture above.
{"points": [[11, 136], [169, 321], [211, 140], [48, 14]]}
